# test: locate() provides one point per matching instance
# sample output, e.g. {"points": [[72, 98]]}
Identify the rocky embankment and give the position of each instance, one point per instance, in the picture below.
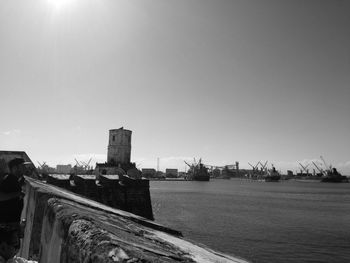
{"points": [[65, 227]]}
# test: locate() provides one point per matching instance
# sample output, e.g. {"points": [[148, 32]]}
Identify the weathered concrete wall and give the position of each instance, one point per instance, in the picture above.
{"points": [[60, 180], [126, 194], [86, 185], [65, 227], [137, 197], [111, 193]]}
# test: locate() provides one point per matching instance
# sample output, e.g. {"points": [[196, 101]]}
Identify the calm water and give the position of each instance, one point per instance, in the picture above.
{"points": [[261, 222]]}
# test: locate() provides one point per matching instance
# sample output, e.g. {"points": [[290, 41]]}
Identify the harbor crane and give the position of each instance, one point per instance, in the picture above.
{"points": [[43, 169], [42, 165], [327, 167], [78, 163], [81, 166], [191, 165], [254, 167], [256, 174], [86, 165], [195, 163], [187, 164], [318, 168], [263, 166], [304, 168]]}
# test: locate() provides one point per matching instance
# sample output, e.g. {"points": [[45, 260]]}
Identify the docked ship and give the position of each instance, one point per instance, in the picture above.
{"points": [[263, 173], [333, 176], [197, 171], [272, 175]]}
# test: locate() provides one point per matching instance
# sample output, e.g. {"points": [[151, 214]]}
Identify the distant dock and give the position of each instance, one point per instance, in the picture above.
{"points": [[167, 179]]}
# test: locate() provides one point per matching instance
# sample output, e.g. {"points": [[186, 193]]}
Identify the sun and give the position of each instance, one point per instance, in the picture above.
{"points": [[59, 4]]}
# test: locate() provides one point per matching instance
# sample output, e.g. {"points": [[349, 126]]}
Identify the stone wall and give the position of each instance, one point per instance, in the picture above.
{"points": [[127, 194], [65, 227]]}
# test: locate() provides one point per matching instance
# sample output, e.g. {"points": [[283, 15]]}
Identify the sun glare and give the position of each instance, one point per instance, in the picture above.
{"points": [[59, 4]]}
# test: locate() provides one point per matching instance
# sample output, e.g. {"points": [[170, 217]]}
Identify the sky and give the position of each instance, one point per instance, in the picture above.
{"points": [[225, 81]]}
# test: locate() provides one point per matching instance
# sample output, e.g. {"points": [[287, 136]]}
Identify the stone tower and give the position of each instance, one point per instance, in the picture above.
{"points": [[119, 146]]}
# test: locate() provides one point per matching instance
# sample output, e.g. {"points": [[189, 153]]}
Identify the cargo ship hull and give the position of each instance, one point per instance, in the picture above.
{"points": [[338, 179], [201, 178], [273, 178]]}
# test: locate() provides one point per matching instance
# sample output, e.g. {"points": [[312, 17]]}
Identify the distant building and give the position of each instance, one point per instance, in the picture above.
{"points": [[171, 173], [119, 146], [118, 154], [63, 168], [149, 172]]}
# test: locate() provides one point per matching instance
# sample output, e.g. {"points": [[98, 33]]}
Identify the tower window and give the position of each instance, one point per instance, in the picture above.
{"points": [[113, 138]]}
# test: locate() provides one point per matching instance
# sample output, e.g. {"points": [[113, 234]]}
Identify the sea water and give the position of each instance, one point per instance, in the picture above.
{"points": [[280, 222]]}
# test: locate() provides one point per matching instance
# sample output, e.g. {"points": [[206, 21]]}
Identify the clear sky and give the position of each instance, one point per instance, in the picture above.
{"points": [[227, 81]]}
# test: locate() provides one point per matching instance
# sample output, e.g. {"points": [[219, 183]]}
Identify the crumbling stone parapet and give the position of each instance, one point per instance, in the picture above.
{"points": [[65, 227], [86, 185], [120, 192], [60, 180]]}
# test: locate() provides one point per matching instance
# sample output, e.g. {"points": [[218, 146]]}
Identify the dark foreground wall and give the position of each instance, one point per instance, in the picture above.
{"points": [[10, 155], [65, 227], [122, 193]]}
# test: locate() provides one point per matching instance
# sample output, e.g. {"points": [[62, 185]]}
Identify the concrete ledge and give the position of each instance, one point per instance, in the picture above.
{"points": [[109, 180], [86, 186], [64, 227], [60, 180]]}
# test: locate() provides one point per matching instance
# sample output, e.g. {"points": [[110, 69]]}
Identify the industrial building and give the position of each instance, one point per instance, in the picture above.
{"points": [[149, 172], [63, 168], [171, 173]]}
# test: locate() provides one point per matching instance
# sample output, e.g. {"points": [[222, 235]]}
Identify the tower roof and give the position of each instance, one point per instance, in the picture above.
{"points": [[121, 128]]}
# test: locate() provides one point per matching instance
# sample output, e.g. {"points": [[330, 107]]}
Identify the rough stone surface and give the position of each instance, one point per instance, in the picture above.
{"points": [[64, 227]]}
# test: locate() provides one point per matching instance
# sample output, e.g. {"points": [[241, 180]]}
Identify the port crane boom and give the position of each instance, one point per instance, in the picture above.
{"points": [[254, 167], [305, 168], [78, 163], [189, 165], [327, 167], [318, 168], [263, 166]]}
